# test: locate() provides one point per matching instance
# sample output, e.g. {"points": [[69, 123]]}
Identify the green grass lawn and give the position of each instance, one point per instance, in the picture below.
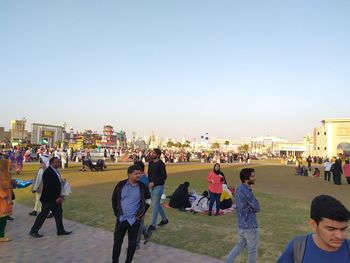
{"points": [[284, 200]]}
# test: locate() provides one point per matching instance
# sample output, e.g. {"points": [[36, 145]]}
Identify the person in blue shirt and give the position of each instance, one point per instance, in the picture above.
{"points": [[246, 208], [143, 230], [329, 222], [130, 201]]}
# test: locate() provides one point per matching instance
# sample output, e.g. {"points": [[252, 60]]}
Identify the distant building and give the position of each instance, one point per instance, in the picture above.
{"points": [[109, 138], [290, 149], [18, 132], [309, 145], [46, 134], [266, 144], [121, 139], [332, 138], [5, 138]]}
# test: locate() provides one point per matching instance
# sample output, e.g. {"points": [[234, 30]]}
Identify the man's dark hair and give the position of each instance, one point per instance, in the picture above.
{"points": [[245, 174], [141, 164], [157, 151], [52, 160], [325, 206], [133, 168]]}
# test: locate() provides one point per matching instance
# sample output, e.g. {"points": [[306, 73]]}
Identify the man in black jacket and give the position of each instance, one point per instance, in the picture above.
{"points": [[157, 176], [51, 199], [130, 201]]}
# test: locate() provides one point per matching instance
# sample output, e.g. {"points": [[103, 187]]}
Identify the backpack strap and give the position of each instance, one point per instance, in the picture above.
{"points": [[348, 243], [201, 199], [299, 245]]}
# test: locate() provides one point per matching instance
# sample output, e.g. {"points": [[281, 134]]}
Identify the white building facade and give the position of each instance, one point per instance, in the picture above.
{"points": [[46, 134], [332, 138]]}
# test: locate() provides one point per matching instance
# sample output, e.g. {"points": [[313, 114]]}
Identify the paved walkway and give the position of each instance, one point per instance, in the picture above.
{"points": [[86, 244]]}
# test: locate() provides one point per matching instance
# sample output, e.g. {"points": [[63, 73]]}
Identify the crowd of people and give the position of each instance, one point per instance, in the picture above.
{"points": [[334, 167], [133, 196]]}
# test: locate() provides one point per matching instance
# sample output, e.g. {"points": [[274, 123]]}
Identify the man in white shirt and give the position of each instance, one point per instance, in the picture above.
{"points": [[327, 170], [37, 188]]}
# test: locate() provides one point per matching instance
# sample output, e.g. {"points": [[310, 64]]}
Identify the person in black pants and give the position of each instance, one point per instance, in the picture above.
{"points": [[130, 201], [51, 200]]}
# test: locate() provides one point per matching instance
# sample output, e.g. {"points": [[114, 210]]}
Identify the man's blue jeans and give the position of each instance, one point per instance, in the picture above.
{"points": [[157, 192], [249, 238]]}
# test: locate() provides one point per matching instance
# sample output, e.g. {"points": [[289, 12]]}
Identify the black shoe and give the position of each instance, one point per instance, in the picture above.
{"points": [[50, 215], [163, 222], [148, 234], [182, 209], [151, 227], [65, 233], [33, 213], [209, 214], [35, 235]]}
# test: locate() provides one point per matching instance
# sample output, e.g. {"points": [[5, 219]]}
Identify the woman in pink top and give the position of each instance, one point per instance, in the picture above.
{"points": [[346, 170], [215, 188]]}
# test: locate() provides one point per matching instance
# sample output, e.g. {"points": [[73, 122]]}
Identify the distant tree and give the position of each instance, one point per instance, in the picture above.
{"points": [[243, 148], [186, 145], [178, 145], [170, 144], [215, 145]]}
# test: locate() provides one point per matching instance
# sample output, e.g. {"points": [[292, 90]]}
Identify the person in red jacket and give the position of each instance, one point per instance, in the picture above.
{"points": [[346, 170], [215, 188]]}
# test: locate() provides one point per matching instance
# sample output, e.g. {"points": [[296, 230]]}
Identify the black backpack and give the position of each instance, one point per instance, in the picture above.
{"points": [[299, 245]]}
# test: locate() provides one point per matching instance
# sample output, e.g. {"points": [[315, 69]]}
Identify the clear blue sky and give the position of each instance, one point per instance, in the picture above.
{"points": [[229, 68]]}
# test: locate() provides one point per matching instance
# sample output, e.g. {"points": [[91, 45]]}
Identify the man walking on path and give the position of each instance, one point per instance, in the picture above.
{"points": [[143, 231], [246, 207], [157, 176], [51, 199], [329, 222], [37, 188], [130, 201]]}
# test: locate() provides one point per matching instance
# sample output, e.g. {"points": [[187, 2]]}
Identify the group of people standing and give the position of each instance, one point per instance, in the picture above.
{"points": [[131, 199], [50, 195], [334, 169], [337, 169]]}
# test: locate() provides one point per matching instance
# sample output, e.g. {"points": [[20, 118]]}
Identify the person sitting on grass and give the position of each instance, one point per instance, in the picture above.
{"points": [[317, 172], [304, 171], [179, 199], [225, 198], [298, 170], [201, 205]]}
